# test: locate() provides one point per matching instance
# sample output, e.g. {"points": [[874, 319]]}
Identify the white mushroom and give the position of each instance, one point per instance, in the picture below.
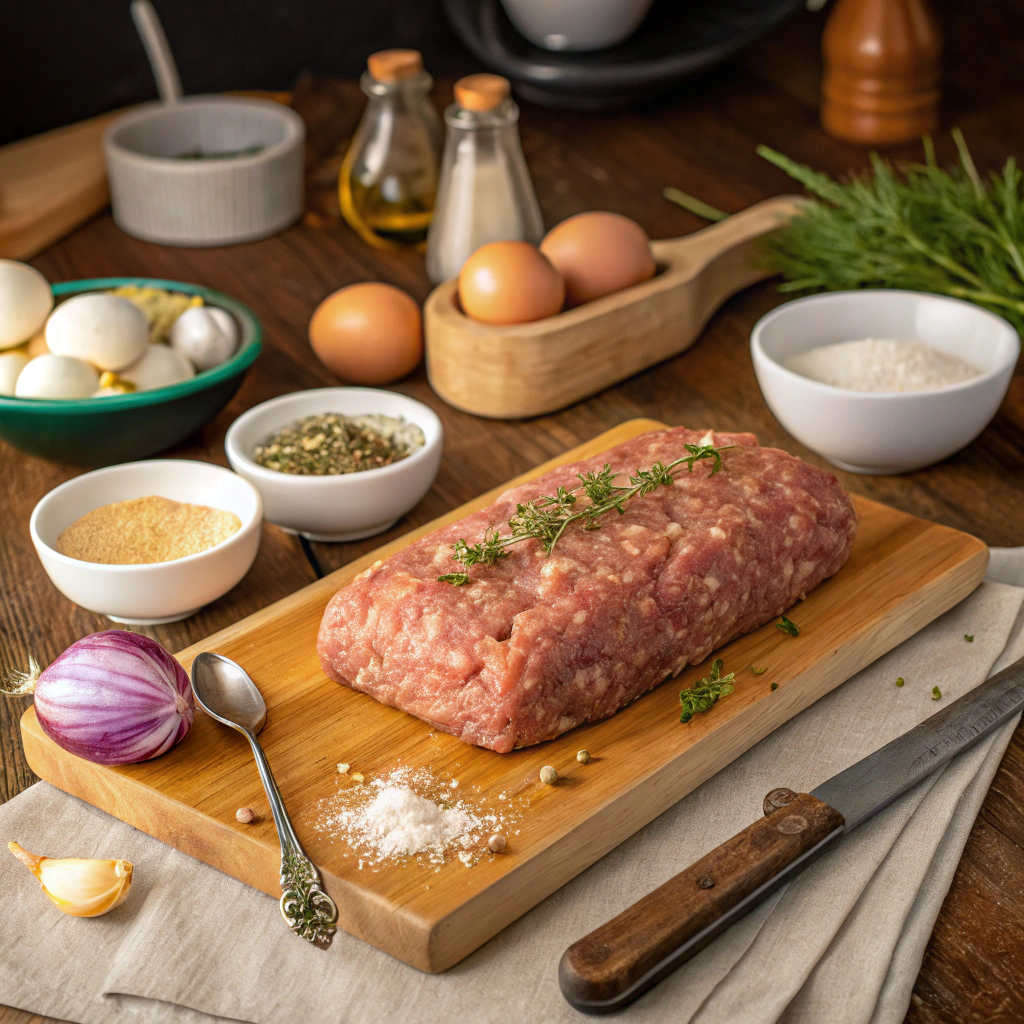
{"points": [[205, 335], [158, 368], [11, 364], [53, 376], [102, 329], [25, 301]]}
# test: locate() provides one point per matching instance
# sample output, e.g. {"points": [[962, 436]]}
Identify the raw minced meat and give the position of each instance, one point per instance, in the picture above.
{"points": [[536, 644]]}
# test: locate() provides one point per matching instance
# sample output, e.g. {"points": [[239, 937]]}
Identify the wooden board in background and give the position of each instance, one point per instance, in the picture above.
{"points": [[49, 184], [903, 573]]}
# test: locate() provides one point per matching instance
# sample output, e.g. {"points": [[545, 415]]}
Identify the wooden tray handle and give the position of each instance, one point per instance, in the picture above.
{"points": [[622, 959], [703, 247]]}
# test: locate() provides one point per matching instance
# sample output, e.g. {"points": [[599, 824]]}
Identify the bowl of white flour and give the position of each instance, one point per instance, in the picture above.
{"points": [[883, 381]]}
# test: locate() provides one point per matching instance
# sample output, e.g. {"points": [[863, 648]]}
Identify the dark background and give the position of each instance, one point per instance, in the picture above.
{"points": [[63, 60]]}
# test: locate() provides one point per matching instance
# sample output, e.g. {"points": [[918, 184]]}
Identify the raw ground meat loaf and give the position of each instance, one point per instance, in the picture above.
{"points": [[537, 644]]}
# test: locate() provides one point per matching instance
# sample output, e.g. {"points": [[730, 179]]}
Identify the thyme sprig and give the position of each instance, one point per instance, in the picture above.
{"points": [[706, 694], [546, 518]]}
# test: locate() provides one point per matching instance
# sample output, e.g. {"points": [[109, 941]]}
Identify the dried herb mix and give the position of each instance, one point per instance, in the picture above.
{"points": [[330, 444]]}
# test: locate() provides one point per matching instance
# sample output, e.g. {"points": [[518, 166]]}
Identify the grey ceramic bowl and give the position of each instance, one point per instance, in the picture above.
{"points": [[208, 170]]}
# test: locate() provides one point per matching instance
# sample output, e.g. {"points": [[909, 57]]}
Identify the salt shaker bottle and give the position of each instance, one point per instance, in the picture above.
{"points": [[388, 179], [484, 193]]}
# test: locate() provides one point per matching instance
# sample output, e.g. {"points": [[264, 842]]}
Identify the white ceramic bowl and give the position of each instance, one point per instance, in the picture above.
{"points": [[157, 196], [884, 432], [159, 591], [336, 508], [576, 25]]}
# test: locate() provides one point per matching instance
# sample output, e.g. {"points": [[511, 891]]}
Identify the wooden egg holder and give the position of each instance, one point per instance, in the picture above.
{"points": [[520, 370]]}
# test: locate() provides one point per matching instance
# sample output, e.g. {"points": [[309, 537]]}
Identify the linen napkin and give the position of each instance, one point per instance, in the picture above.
{"points": [[843, 942]]}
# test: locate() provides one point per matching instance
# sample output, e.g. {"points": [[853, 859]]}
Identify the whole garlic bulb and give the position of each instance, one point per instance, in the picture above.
{"points": [[79, 887], [102, 329], [11, 365], [51, 376], [158, 368], [25, 301], [205, 335]]}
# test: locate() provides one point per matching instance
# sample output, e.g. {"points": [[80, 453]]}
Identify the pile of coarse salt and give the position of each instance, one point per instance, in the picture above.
{"points": [[875, 364], [410, 814]]}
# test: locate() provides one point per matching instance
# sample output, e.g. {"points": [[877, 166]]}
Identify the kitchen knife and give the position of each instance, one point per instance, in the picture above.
{"points": [[622, 959]]}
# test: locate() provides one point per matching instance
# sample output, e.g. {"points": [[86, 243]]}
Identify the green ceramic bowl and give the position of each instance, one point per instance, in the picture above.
{"points": [[119, 428]]}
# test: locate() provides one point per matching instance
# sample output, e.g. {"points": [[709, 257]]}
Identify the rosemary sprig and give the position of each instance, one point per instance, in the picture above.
{"points": [[706, 693], [919, 227], [546, 518]]}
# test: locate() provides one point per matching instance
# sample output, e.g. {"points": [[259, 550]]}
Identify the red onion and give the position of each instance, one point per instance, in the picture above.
{"points": [[115, 698]]}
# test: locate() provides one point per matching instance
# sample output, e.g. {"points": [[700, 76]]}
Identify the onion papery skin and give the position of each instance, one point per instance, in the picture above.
{"points": [[115, 698]]}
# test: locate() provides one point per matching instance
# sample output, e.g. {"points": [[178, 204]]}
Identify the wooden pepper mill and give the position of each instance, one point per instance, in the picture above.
{"points": [[881, 81]]}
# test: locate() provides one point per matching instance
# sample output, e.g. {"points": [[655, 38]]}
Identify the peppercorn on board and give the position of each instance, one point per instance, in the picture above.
{"points": [[903, 572]]}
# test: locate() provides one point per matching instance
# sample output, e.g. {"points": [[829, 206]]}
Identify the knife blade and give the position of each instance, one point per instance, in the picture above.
{"points": [[613, 965]]}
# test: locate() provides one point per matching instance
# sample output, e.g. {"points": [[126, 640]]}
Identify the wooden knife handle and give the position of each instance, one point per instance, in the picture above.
{"points": [[617, 962]]}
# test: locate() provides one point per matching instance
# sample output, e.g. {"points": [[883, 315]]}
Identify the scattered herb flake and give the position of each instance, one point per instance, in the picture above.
{"points": [[969, 637], [900, 681], [788, 627], [775, 686], [759, 671], [706, 693], [936, 693]]}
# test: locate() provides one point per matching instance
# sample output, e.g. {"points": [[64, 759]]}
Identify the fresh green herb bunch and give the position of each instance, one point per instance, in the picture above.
{"points": [[920, 227], [706, 693], [546, 518]]}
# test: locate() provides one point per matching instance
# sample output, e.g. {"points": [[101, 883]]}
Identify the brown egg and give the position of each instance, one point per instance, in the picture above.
{"points": [[509, 283], [369, 333], [597, 254]]}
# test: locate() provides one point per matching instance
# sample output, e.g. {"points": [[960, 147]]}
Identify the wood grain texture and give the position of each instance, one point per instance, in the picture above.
{"points": [[520, 370], [625, 956], [903, 572], [50, 184], [701, 140]]}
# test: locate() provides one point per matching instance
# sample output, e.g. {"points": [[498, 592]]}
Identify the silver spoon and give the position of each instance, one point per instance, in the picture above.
{"points": [[226, 693]]}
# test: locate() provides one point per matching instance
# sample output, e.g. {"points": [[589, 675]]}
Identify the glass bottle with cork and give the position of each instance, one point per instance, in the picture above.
{"points": [[388, 178], [484, 193]]}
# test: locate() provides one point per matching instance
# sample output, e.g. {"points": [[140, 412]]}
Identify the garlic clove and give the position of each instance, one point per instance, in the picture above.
{"points": [[205, 335], [78, 886]]}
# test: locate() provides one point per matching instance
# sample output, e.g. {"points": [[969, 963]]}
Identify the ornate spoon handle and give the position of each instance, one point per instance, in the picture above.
{"points": [[306, 908]]}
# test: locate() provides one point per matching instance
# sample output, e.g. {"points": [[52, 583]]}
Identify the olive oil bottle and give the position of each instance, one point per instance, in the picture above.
{"points": [[388, 179]]}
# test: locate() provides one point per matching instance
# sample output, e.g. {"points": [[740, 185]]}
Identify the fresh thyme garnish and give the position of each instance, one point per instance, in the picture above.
{"points": [[546, 518], [900, 681], [705, 694], [969, 637], [788, 627], [775, 686], [758, 671]]}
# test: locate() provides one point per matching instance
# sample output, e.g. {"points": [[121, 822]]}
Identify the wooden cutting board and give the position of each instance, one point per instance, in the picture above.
{"points": [[903, 573], [49, 184]]}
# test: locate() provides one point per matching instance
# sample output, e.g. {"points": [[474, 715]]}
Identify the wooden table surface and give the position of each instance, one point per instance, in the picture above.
{"points": [[703, 142]]}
